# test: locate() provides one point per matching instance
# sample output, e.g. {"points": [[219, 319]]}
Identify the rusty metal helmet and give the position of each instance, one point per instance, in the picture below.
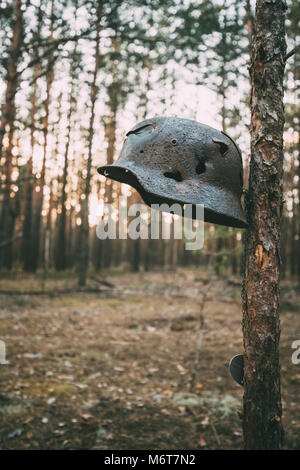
{"points": [[170, 159]]}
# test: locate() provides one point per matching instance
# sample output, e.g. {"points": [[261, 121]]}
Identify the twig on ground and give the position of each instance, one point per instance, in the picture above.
{"points": [[53, 292], [215, 433], [102, 281]]}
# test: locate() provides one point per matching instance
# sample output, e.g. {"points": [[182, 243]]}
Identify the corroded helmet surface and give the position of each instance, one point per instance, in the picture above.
{"points": [[169, 159]]}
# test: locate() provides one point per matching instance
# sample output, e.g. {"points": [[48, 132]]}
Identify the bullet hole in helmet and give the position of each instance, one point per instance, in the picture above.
{"points": [[141, 151], [200, 168], [174, 141], [223, 147], [175, 175]]}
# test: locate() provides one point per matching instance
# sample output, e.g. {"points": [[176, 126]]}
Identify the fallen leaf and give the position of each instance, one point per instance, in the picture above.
{"points": [[15, 433], [205, 421], [202, 442], [181, 369], [87, 416]]}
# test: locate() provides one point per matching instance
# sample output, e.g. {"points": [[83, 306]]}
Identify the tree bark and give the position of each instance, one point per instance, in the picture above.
{"points": [[61, 252], [249, 22], [293, 244], [29, 185], [84, 229], [7, 122], [40, 198], [261, 328], [110, 135]]}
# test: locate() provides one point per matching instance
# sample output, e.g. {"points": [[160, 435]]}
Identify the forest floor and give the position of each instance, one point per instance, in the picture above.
{"points": [[113, 370]]}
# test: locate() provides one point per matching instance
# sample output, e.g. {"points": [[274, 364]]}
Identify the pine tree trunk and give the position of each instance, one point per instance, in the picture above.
{"points": [[110, 131], [84, 229], [36, 238], [110, 135], [298, 214], [249, 22], [28, 209], [61, 251], [293, 254], [233, 245], [27, 223], [262, 400], [7, 122]]}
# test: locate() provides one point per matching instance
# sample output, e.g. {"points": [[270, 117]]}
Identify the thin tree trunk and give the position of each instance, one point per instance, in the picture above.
{"points": [[283, 246], [27, 223], [262, 400], [220, 239], [8, 114], [148, 244], [40, 198], [297, 149], [61, 255], [48, 232], [298, 240], [84, 229], [293, 247], [110, 134], [110, 131], [249, 22], [233, 246]]}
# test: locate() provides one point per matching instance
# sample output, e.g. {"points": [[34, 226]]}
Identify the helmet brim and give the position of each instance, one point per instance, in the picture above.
{"points": [[157, 189]]}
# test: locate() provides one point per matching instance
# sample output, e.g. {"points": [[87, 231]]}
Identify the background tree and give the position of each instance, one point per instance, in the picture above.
{"points": [[7, 125], [84, 258]]}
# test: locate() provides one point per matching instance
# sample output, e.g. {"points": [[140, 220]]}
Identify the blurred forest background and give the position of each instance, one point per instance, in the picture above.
{"points": [[75, 76]]}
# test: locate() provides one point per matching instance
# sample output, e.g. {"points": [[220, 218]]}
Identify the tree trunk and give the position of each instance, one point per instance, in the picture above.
{"points": [[249, 23], [84, 229], [298, 240], [293, 245], [47, 254], [7, 122], [40, 197], [110, 134], [61, 252], [27, 223], [262, 400]]}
